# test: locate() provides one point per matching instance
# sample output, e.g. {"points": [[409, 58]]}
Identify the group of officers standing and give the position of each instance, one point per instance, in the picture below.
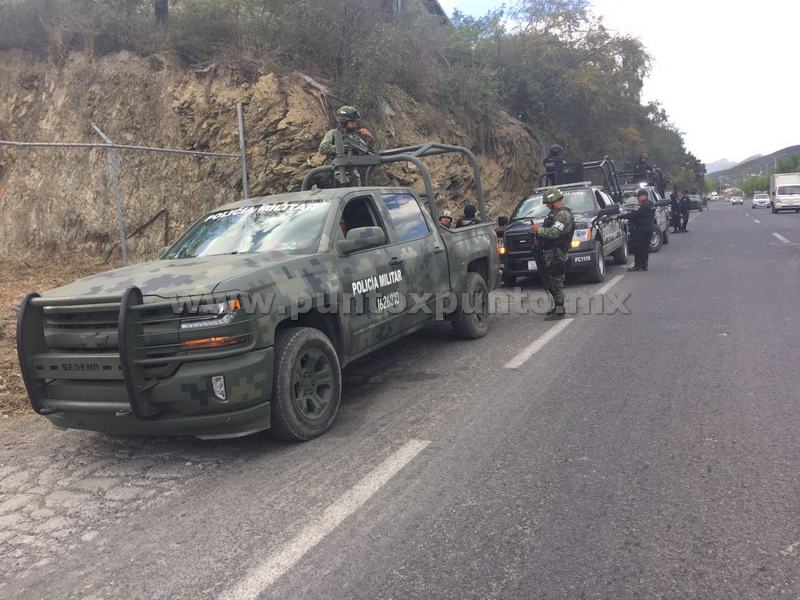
{"points": [[554, 235]]}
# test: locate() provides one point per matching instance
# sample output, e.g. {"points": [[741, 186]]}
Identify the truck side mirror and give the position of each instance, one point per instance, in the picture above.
{"points": [[502, 221], [361, 238], [609, 210]]}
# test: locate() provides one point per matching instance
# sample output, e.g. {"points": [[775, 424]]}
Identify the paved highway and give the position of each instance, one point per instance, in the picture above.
{"points": [[649, 453]]}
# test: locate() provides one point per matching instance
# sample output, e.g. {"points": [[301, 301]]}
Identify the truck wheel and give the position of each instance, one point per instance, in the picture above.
{"points": [[665, 237], [472, 320], [621, 255], [597, 272], [655, 241], [307, 384]]}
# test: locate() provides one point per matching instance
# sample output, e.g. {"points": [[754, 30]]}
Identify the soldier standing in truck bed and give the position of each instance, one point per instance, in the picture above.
{"points": [[348, 122]]}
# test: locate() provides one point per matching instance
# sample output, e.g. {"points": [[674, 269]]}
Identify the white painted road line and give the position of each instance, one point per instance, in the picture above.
{"points": [[756, 220], [609, 285], [523, 357], [781, 238], [269, 571]]}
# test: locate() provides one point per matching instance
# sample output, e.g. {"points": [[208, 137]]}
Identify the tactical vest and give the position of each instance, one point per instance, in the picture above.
{"points": [[562, 241]]}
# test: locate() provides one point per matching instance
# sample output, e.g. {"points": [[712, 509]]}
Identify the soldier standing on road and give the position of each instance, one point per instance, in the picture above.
{"points": [[685, 203], [675, 211], [469, 217], [641, 218], [553, 238], [348, 120]]}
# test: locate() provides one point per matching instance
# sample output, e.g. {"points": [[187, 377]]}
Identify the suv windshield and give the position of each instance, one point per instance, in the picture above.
{"points": [[291, 227], [788, 190], [580, 201]]}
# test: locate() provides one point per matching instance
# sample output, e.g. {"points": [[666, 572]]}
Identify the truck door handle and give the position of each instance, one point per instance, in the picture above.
{"points": [[396, 262], [438, 249]]}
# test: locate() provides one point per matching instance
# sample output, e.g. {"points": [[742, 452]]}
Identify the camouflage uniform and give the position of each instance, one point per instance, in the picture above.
{"points": [[328, 147], [553, 239]]}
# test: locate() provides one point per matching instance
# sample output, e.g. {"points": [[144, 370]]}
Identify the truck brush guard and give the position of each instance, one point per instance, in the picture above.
{"points": [[107, 339]]}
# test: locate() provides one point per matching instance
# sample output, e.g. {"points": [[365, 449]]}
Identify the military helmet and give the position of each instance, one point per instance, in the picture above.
{"points": [[347, 113], [552, 194], [446, 213]]}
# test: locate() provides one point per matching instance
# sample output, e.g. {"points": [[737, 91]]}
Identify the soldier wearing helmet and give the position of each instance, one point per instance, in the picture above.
{"points": [[348, 122], [446, 219], [553, 238]]}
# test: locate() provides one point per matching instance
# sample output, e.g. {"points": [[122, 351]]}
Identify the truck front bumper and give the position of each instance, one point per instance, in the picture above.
{"points": [[520, 265], [187, 402], [215, 393]]}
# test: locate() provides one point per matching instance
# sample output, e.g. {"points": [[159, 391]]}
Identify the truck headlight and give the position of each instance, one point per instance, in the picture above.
{"points": [[211, 315], [581, 235]]}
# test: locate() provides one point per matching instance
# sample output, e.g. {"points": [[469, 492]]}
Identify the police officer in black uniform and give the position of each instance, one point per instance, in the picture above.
{"points": [[675, 210], [469, 217], [641, 219]]}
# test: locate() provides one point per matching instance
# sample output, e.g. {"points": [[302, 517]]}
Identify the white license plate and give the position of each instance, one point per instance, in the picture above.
{"points": [[532, 265]]}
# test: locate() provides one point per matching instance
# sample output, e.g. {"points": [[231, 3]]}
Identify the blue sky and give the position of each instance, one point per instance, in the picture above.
{"points": [[725, 71]]}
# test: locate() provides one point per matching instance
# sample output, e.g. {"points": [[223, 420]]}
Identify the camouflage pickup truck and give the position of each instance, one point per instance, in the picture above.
{"points": [[246, 321]]}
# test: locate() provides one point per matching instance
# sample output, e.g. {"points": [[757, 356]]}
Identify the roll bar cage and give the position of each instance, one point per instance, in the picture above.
{"points": [[410, 154], [576, 173]]}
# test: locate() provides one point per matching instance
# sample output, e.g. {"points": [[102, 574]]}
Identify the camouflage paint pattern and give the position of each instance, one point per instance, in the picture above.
{"points": [[281, 290]]}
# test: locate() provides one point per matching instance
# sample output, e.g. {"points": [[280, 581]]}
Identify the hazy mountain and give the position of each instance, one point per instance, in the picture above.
{"points": [[719, 165], [757, 165]]}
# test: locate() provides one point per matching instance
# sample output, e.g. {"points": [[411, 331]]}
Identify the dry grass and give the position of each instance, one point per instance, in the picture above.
{"points": [[20, 276]]}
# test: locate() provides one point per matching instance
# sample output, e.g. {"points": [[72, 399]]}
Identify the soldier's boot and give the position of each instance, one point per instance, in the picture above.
{"points": [[558, 313]]}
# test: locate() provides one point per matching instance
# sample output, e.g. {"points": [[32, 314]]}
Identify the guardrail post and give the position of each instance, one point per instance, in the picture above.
{"points": [[112, 161]]}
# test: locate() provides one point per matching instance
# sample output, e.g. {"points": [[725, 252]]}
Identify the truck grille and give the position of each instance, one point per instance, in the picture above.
{"points": [[520, 243], [89, 330]]}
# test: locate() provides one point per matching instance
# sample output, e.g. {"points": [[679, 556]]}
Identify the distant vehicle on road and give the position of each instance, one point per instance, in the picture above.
{"points": [[760, 200], [737, 200], [784, 189]]}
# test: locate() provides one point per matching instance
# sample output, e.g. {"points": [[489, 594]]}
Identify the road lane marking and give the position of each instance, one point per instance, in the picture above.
{"points": [[524, 356], [756, 220], [781, 238], [269, 571], [609, 285]]}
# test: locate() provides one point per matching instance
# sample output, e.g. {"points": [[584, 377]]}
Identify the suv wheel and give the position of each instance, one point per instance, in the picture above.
{"points": [[621, 254], [472, 321], [655, 241], [597, 272], [307, 384]]}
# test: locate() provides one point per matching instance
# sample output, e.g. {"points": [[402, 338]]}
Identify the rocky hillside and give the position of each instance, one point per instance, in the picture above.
{"points": [[61, 201]]}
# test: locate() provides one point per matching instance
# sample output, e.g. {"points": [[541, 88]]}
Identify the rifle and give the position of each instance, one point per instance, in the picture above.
{"points": [[349, 145]]}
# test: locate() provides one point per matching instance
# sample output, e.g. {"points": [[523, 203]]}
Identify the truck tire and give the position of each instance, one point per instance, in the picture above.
{"points": [[472, 321], [307, 384], [597, 272], [655, 241], [621, 254], [665, 237]]}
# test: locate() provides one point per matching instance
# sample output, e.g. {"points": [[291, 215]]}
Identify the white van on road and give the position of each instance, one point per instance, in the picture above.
{"points": [[784, 188]]}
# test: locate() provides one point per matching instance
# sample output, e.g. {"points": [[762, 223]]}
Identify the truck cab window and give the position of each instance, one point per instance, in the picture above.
{"points": [[359, 212], [406, 216]]}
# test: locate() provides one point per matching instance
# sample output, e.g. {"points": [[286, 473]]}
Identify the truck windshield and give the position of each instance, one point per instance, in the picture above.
{"points": [[580, 201], [290, 227], [788, 190]]}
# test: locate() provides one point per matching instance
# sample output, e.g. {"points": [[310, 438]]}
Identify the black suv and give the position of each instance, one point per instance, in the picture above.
{"points": [[597, 236]]}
